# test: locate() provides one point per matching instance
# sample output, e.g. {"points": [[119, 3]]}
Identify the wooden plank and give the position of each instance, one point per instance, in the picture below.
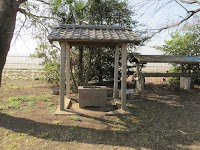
{"points": [[169, 75]]}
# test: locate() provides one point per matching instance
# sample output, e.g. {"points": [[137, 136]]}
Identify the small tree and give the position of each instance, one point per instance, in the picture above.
{"points": [[185, 43], [51, 61]]}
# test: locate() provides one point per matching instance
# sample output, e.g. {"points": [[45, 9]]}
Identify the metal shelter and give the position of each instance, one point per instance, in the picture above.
{"points": [[185, 74], [69, 35]]}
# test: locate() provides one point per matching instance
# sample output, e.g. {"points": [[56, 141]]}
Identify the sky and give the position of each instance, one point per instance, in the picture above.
{"points": [[150, 14], [156, 16]]}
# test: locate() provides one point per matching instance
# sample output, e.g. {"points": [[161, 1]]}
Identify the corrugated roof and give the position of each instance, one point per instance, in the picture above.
{"points": [[93, 34], [167, 59]]}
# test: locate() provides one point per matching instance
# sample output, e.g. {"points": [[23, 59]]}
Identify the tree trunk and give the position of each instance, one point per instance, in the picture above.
{"points": [[8, 12], [89, 64], [99, 65], [80, 66], [75, 89]]}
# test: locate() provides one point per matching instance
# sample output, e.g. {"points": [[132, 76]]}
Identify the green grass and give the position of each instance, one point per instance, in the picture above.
{"points": [[23, 102], [51, 107], [75, 117], [57, 122]]}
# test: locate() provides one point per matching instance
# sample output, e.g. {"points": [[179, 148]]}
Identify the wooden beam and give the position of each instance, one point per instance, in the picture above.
{"points": [[116, 71], [68, 70], [62, 76], [123, 82], [169, 74], [100, 42]]}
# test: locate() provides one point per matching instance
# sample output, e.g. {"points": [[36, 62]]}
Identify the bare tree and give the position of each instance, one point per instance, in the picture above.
{"points": [[192, 7], [189, 14], [8, 14]]}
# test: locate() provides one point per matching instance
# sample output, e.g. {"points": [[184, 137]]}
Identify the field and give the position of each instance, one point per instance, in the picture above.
{"points": [[162, 118]]}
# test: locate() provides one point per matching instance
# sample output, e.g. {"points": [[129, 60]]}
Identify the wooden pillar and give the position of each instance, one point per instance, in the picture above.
{"points": [[62, 76], [123, 82], [68, 70], [116, 71], [137, 73]]}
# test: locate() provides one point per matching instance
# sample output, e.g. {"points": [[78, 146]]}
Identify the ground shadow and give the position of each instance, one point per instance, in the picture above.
{"points": [[154, 124], [159, 126]]}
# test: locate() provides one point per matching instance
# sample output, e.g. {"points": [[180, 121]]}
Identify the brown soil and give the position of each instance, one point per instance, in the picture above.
{"points": [[162, 118]]}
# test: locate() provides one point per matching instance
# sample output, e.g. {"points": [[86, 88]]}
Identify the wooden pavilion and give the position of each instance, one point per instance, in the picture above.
{"points": [[91, 35]]}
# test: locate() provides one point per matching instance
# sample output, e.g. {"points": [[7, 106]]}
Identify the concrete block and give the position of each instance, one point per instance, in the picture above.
{"points": [[185, 82], [92, 96]]}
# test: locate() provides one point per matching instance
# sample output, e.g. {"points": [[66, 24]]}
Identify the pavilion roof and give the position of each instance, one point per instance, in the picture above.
{"points": [[93, 35]]}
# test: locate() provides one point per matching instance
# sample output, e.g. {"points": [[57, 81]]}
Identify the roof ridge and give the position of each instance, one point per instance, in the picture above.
{"points": [[93, 27]]}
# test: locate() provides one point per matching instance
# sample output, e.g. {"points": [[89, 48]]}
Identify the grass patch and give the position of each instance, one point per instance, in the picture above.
{"points": [[23, 102], [75, 117], [51, 107], [57, 122]]}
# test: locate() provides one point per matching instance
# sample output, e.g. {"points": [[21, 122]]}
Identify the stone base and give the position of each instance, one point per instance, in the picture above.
{"points": [[185, 83], [65, 112], [110, 110]]}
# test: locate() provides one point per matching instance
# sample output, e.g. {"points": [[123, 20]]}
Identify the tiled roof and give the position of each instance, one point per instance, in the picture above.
{"points": [[92, 33], [166, 59]]}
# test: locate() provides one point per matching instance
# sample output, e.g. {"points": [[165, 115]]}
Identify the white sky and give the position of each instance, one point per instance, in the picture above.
{"points": [[153, 18]]}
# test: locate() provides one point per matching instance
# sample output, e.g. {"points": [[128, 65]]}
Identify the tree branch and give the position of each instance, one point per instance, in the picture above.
{"points": [[20, 1], [181, 6], [33, 15], [190, 1], [52, 44], [190, 14], [18, 32], [42, 1]]}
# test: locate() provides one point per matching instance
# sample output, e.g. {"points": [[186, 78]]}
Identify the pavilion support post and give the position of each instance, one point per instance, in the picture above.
{"points": [[137, 73], [140, 79], [185, 82], [68, 70], [115, 94], [62, 76], [123, 82]]}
